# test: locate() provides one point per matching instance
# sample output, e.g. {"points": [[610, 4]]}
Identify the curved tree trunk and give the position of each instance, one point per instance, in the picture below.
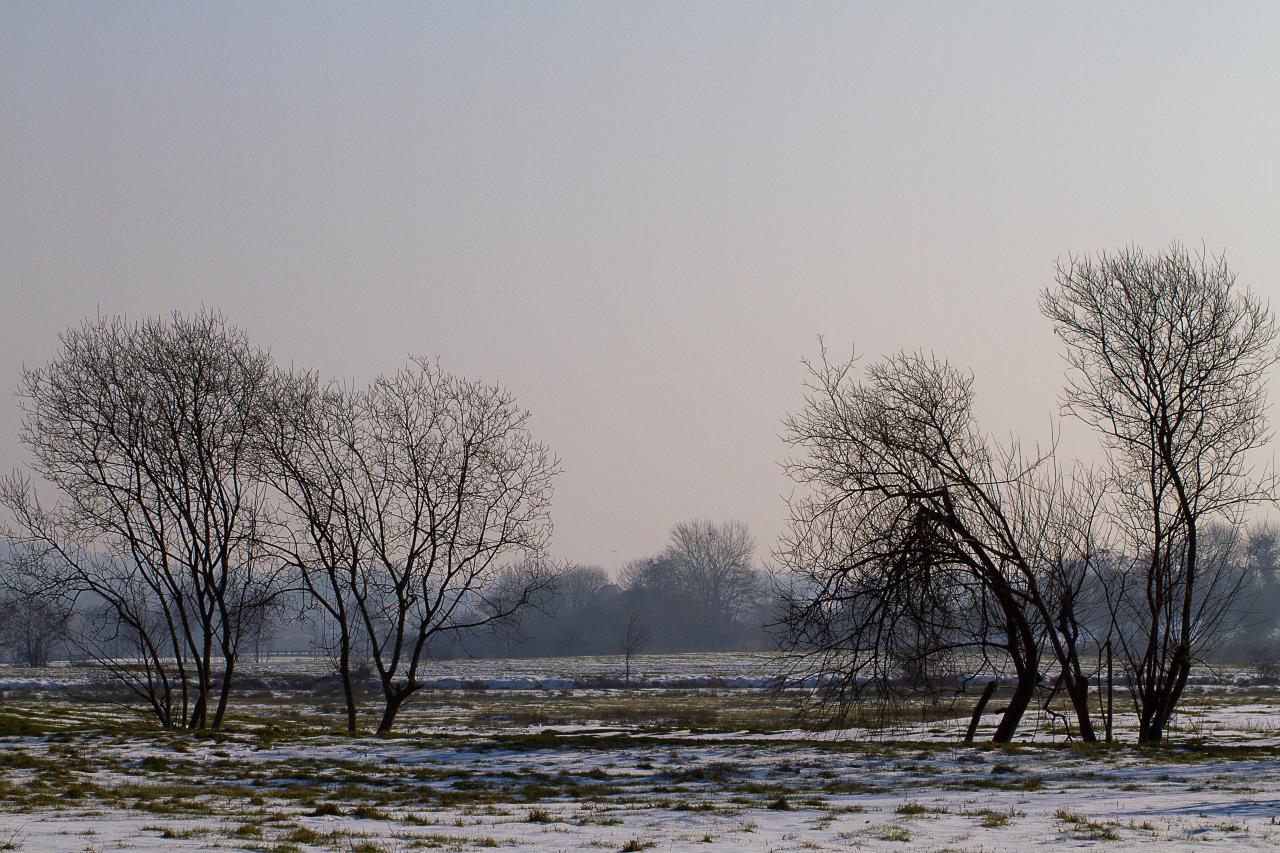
{"points": [[1078, 691], [1023, 692], [224, 691], [1026, 662], [389, 711]]}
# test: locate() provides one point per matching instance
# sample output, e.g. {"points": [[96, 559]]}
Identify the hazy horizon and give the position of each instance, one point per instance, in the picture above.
{"points": [[639, 219]]}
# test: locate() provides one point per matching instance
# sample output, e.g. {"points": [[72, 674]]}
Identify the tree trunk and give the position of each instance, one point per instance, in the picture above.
{"points": [[394, 701], [1110, 693], [1025, 654], [224, 691], [1151, 726], [1153, 723], [351, 704], [978, 709], [348, 690], [1023, 692], [1078, 691], [206, 670], [197, 712]]}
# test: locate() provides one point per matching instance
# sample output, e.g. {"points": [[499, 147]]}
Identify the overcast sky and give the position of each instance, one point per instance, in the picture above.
{"points": [[637, 216]]}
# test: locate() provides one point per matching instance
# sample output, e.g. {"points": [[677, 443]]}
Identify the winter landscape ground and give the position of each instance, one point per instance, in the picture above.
{"points": [[554, 754]]}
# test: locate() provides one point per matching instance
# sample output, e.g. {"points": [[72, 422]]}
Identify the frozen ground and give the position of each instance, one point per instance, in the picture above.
{"points": [[610, 769]]}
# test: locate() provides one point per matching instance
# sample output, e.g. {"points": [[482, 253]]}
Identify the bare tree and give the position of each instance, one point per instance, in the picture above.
{"points": [[715, 570], [1167, 361], [149, 433], [916, 538], [631, 636], [34, 618], [30, 627], [578, 591], [35, 615], [410, 501], [258, 629], [1257, 611]]}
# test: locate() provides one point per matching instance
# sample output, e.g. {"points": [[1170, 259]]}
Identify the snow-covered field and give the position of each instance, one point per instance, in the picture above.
{"points": [[703, 762]]}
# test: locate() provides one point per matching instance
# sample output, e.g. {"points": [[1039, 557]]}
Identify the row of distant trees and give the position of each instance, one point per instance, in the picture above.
{"points": [[184, 488], [704, 592], [656, 605], [921, 543]]}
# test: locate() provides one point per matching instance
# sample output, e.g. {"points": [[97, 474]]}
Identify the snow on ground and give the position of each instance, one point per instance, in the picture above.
{"points": [[689, 796], [470, 771]]}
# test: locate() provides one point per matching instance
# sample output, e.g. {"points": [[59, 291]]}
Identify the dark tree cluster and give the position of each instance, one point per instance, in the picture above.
{"points": [[185, 493], [924, 552]]}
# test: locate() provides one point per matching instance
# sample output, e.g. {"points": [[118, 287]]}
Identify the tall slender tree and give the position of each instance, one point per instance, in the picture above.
{"points": [[1168, 358]]}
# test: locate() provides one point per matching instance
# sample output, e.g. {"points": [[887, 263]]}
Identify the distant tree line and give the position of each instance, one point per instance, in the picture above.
{"points": [[703, 592]]}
